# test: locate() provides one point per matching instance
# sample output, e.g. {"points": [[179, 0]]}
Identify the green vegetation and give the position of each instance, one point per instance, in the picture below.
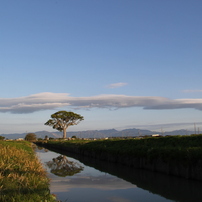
{"points": [[31, 137], [22, 177], [61, 120], [184, 149]]}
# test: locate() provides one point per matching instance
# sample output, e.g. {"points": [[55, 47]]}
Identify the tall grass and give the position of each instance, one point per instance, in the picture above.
{"points": [[22, 176]]}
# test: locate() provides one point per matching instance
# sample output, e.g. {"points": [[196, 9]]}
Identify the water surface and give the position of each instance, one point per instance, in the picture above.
{"points": [[100, 181]]}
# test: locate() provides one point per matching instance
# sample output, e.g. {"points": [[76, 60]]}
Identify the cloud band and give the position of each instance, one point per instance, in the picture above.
{"points": [[47, 100]]}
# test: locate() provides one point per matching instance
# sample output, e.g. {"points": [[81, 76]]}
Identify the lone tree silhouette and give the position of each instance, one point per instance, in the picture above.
{"points": [[61, 120]]}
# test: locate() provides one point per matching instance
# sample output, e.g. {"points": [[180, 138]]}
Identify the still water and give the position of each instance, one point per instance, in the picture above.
{"points": [[80, 179]]}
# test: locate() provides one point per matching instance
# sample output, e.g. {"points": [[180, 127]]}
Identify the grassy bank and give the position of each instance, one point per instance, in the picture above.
{"points": [[186, 149], [22, 177]]}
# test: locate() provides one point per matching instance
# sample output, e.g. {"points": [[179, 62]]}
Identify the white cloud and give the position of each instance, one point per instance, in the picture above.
{"points": [[46, 100], [192, 91], [116, 85]]}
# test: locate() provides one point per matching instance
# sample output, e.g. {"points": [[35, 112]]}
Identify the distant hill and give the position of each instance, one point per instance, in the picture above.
{"points": [[39, 134], [123, 133], [99, 133], [179, 132]]}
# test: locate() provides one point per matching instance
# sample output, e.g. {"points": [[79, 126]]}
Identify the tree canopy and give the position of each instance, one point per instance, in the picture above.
{"points": [[30, 137], [61, 120]]}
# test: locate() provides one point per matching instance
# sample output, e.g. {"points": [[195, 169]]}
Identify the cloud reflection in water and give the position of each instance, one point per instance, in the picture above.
{"points": [[105, 182]]}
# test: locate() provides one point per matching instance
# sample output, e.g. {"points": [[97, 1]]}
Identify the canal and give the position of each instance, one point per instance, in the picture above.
{"points": [[77, 178]]}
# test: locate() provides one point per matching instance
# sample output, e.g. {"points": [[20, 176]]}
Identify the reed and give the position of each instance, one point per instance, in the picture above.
{"points": [[22, 176]]}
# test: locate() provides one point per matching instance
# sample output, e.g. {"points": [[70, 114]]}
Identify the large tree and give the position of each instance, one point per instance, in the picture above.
{"points": [[61, 120]]}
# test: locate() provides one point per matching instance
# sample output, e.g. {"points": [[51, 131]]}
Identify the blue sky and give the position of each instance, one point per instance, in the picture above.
{"points": [[119, 63]]}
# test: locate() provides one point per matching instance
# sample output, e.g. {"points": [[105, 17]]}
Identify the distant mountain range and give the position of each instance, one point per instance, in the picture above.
{"points": [[99, 133]]}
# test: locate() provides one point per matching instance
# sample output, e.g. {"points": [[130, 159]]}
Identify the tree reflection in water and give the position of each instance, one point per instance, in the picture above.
{"points": [[62, 167]]}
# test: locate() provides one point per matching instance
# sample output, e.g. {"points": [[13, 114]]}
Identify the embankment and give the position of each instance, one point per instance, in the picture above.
{"points": [[176, 155], [22, 176]]}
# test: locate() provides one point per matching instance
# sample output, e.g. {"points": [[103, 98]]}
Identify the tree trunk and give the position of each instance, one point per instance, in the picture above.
{"points": [[64, 133]]}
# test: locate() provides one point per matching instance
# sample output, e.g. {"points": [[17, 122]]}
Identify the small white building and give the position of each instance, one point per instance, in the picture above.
{"points": [[155, 135], [20, 139]]}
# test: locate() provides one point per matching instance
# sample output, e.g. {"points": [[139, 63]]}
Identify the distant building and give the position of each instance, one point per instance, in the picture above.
{"points": [[155, 135], [20, 139]]}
